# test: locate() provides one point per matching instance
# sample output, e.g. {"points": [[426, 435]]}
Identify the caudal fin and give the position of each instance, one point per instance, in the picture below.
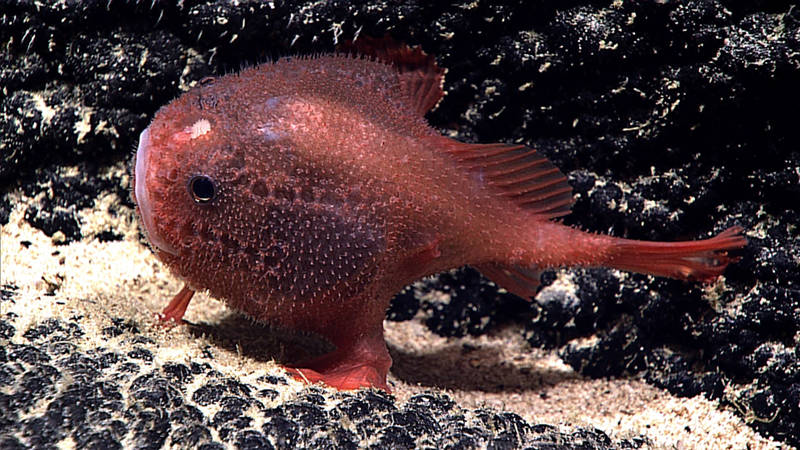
{"points": [[701, 260]]}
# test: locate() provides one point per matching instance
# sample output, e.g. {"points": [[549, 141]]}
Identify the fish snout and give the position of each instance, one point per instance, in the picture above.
{"points": [[141, 195]]}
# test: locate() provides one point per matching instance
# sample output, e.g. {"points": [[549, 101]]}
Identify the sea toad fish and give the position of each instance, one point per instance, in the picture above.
{"points": [[307, 191]]}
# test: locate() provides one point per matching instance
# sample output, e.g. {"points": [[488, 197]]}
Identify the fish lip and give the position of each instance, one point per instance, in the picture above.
{"points": [[142, 195]]}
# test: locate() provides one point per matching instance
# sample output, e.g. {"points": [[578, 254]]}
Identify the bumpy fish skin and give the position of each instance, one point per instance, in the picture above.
{"points": [[306, 192]]}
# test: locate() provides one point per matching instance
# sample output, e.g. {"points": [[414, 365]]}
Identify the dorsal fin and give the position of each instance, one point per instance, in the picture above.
{"points": [[520, 281], [515, 171], [421, 79]]}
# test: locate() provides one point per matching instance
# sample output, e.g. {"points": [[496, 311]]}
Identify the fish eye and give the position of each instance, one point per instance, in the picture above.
{"points": [[202, 189]]}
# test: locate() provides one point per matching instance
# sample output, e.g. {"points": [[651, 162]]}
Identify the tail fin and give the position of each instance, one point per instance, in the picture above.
{"points": [[701, 260]]}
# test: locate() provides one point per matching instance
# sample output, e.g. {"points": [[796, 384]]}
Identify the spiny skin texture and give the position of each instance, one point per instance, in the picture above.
{"points": [[326, 192]]}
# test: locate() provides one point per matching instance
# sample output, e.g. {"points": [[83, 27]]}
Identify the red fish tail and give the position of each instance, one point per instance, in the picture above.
{"points": [[701, 260]]}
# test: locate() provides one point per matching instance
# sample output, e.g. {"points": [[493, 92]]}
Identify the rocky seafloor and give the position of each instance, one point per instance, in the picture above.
{"points": [[672, 120]]}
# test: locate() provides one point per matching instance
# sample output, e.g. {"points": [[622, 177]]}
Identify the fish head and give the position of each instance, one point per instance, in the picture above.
{"points": [[196, 178], [222, 192], [174, 180], [236, 198]]}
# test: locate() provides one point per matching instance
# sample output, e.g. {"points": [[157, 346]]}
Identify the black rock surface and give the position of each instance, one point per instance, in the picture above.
{"points": [[672, 119], [103, 398]]}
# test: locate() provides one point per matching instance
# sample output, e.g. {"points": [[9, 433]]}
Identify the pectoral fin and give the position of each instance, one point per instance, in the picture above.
{"points": [[520, 281]]}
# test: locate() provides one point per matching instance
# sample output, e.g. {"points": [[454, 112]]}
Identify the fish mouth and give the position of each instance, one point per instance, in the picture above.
{"points": [[142, 195]]}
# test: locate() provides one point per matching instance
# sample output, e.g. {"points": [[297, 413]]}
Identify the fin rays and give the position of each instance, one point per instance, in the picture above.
{"points": [[519, 173], [519, 280], [420, 77]]}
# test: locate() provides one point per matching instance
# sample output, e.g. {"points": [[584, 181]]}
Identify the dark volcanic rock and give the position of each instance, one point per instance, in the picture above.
{"points": [[672, 120], [77, 395]]}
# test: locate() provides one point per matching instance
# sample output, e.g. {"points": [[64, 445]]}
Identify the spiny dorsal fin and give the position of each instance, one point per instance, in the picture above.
{"points": [[517, 172], [420, 77], [520, 281]]}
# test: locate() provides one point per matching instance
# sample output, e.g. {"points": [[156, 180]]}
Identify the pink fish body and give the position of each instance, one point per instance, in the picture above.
{"points": [[308, 191]]}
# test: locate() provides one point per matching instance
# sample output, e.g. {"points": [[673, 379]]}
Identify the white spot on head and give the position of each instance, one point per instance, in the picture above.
{"points": [[200, 128]]}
